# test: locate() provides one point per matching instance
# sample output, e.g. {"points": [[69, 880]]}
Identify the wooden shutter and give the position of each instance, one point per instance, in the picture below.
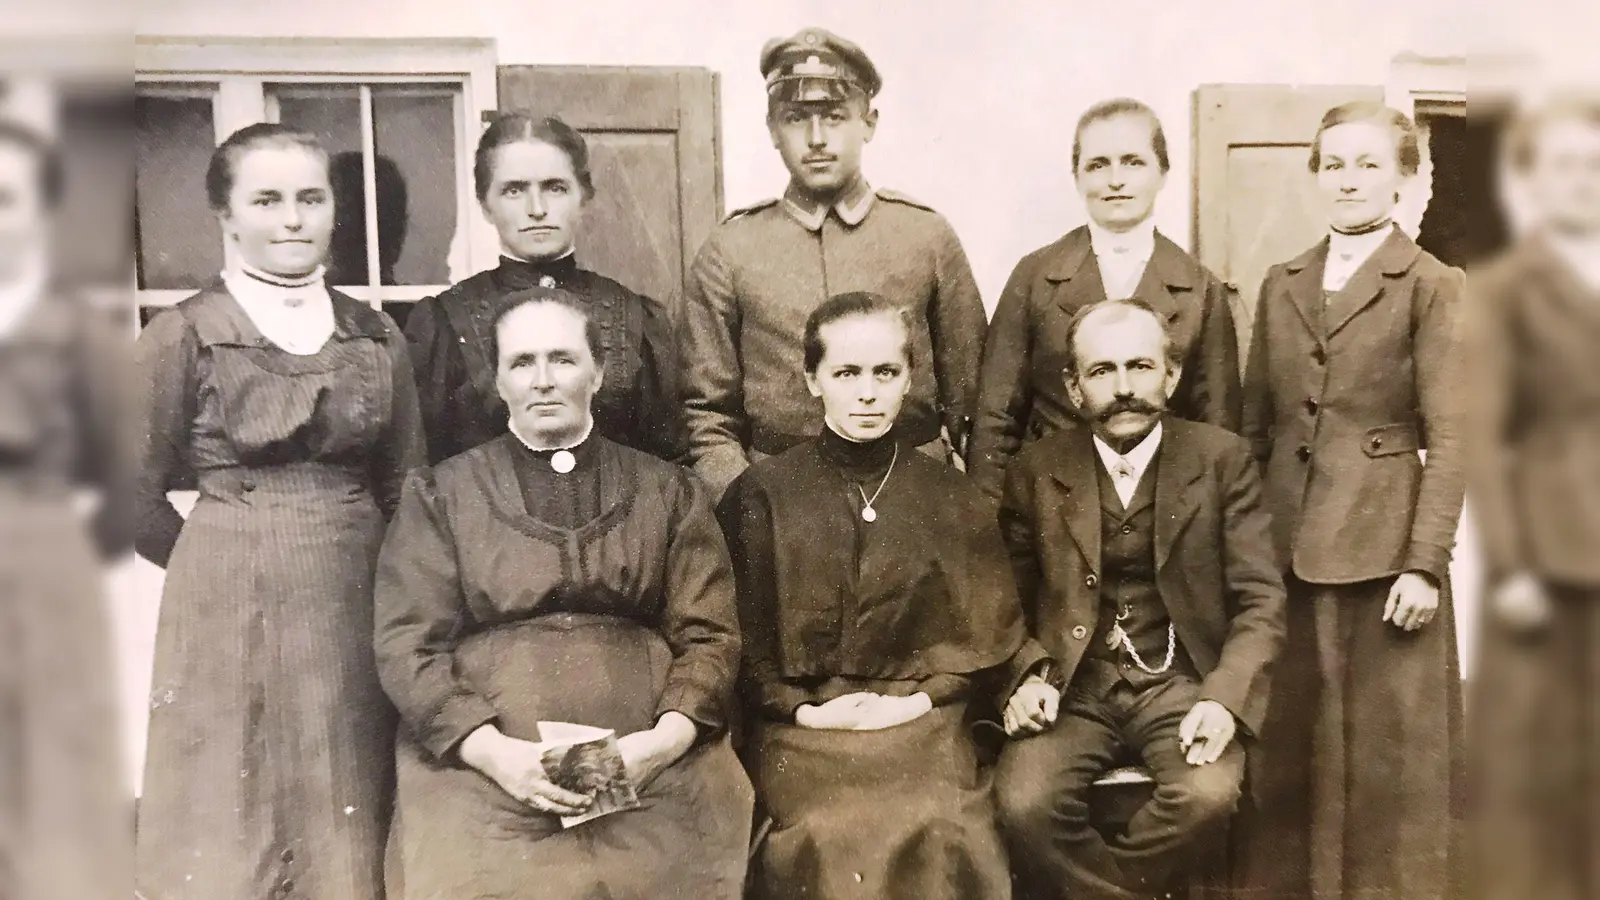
{"points": [[654, 151]]}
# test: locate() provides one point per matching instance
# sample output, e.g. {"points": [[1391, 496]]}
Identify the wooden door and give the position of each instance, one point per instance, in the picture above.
{"points": [[654, 152], [1255, 202]]}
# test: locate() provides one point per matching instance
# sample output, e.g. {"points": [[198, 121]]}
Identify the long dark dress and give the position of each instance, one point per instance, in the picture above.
{"points": [[63, 808], [919, 600], [269, 764], [451, 341], [510, 593]]}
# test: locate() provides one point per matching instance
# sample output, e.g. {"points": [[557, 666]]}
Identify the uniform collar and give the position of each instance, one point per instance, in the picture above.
{"points": [[851, 207]]}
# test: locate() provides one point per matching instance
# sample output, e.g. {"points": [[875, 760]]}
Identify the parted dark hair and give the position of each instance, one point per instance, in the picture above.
{"points": [[1169, 348], [51, 178], [1521, 141], [847, 306], [1408, 147], [516, 127], [224, 165], [512, 302], [1122, 106]]}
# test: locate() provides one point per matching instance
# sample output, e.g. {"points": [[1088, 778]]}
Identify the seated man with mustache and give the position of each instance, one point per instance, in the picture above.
{"points": [[1143, 564]]}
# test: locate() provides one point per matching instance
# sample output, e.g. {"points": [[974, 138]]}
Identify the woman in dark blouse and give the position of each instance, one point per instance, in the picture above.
{"points": [[533, 182], [64, 414], [293, 407], [878, 608], [552, 574]]}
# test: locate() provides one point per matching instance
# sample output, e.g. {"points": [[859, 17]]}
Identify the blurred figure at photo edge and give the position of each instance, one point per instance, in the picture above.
{"points": [[1356, 364], [66, 426], [555, 575], [1534, 336], [1141, 553], [1120, 165], [879, 620], [771, 264], [292, 408], [534, 181]]}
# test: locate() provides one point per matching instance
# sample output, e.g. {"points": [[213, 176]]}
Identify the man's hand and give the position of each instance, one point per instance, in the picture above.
{"points": [[1205, 732], [1413, 601], [1032, 708], [1521, 602]]}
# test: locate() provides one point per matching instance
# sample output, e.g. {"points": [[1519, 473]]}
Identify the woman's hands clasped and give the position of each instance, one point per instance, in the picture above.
{"points": [[648, 753], [516, 766], [863, 711]]}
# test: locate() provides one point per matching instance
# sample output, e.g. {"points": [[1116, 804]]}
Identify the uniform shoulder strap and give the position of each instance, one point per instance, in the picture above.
{"points": [[752, 208], [894, 196]]}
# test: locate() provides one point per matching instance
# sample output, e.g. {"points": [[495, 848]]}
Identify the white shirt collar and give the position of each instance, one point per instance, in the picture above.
{"points": [[1139, 457], [301, 327], [588, 429], [1135, 244]]}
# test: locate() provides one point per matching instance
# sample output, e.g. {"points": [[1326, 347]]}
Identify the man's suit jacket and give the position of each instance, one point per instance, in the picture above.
{"points": [[1022, 391], [1535, 349], [1339, 397], [1214, 566]]}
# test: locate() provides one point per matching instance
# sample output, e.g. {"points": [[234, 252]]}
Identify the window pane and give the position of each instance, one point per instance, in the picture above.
{"points": [[179, 245], [414, 133]]}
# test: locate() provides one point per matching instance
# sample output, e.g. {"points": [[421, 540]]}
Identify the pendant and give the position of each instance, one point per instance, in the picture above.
{"points": [[546, 282], [563, 461], [868, 514]]}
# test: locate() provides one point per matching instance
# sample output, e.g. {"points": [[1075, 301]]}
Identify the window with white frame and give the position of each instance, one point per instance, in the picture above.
{"points": [[399, 120]]}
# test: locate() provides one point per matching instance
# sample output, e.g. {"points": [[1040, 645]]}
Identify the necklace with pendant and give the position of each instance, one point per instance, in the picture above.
{"points": [[868, 514]]}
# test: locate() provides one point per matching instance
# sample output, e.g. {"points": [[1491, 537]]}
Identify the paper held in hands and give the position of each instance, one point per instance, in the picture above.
{"points": [[586, 760]]}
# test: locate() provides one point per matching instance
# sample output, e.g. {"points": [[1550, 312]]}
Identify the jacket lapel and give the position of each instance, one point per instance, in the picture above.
{"points": [[1393, 258], [1076, 273], [1074, 471], [1177, 470], [1168, 276], [1305, 287]]}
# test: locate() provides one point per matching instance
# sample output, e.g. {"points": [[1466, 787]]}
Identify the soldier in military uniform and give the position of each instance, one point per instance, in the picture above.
{"points": [[761, 274]]}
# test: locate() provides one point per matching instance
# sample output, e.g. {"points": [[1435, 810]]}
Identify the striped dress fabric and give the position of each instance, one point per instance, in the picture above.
{"points": [[269, 769]]}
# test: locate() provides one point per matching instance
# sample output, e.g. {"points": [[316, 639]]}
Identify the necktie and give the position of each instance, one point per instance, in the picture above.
{"points": [[1122, 478]]}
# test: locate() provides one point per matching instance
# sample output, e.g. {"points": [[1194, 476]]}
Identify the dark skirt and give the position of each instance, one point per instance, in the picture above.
{"points": [[1536, 739], [269, 769], [459, 836], [63, 807], [905, 812], [1361, 775]]}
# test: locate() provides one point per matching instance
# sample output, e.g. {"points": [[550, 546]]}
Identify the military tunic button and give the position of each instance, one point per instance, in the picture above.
{"points": [[1079, 632]]}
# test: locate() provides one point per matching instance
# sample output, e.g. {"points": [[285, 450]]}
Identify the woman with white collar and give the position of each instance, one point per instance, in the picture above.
{"points": [[293, 408], [1119, 160], [534, 182], [1355, 366]]}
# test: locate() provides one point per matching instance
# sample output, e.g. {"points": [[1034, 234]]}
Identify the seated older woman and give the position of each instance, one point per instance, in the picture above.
{"points": [[878, 605], [552, 575]]}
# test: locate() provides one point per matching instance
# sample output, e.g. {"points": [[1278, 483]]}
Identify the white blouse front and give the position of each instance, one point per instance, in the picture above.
{"points": [[1122, 256], [295, 314], [1347, 253]]}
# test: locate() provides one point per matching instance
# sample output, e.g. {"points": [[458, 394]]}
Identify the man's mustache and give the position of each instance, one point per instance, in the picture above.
{"points": [[1128, 405]]}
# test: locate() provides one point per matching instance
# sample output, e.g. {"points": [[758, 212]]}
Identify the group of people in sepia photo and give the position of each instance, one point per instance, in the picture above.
{"points": [[873, 589]]}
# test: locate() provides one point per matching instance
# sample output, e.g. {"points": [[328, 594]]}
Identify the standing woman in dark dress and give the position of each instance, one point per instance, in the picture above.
{"points": [[533, 181], [879, 611], [1355, 366], [553, 575], [294, 407], [64, 414]]}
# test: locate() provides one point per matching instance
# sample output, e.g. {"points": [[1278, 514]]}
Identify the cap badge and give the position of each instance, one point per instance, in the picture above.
{"points": [[814, 66], [811, 39], [547, 282]]}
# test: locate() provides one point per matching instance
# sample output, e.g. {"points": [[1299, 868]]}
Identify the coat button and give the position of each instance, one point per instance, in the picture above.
{"points": [[1127, 529], [1090, 581], [1319, 356], [1312, 405], [1304, 452], [287, 856], [1377, 443], [247, 486], [1079, 632]]}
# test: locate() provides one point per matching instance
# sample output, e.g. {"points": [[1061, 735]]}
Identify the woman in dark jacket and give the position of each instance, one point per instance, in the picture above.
{"points": [[1354, 368], [533, 182]]}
